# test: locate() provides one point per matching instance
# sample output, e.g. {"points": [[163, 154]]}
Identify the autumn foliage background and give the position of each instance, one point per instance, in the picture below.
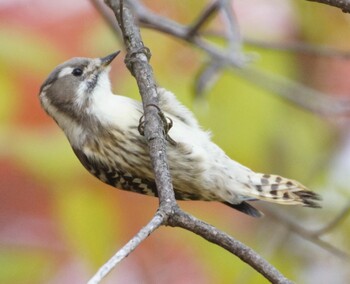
{"points": [[58, 224]]}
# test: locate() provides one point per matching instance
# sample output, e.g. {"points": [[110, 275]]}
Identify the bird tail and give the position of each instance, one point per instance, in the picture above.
{"points": [[276, 189], [246, 208]]}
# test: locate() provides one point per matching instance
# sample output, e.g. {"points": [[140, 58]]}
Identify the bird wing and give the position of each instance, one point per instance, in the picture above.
{"points": [[170, 105]]}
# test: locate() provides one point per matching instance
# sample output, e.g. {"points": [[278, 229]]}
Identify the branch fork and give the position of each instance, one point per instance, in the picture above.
{"points": [[168, 212]]}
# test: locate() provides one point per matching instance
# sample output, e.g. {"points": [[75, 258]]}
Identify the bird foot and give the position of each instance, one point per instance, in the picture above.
{"points": [[167, 124]]}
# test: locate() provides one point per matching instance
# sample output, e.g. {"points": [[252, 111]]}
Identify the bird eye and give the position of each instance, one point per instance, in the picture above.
{"points": [[77, 72]]}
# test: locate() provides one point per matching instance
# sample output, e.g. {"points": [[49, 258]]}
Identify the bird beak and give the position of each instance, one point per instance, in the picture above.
{"points": [[105, 61]]}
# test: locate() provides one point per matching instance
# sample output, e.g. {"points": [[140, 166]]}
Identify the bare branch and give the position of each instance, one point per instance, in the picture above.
{"points": [[232, 29], [304, 233], [301, 47], [151, 20], [108, 16], [137, 62], [335, 222], [297, 47], [155, 223], [212, 234], [292, 91], [344, 5], [232, 57], [210, 72], [207, 13], [206, 77], [299, 94]]}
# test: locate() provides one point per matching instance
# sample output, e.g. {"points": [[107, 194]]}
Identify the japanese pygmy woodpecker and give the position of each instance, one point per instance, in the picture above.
{"points": [[103, 130]]}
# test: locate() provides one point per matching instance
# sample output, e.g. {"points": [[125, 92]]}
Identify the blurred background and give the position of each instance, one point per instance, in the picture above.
{"points": [[58, 224]]}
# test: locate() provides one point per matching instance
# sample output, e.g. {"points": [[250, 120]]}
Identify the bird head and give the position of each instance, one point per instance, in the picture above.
{"points": [[68, 89]]}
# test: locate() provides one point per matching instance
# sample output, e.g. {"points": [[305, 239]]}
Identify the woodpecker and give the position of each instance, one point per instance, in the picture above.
{"points": [[103, 131]]}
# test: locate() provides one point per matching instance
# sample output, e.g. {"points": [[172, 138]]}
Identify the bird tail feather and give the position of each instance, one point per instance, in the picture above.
{"points": [[276, 189], [246, 208]]}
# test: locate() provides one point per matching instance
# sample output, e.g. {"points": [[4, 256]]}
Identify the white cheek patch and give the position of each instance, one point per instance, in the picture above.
{"points": [[65, 71], [80, 97], [45, 102], [107, 69], [103, 85], [73, 131]]}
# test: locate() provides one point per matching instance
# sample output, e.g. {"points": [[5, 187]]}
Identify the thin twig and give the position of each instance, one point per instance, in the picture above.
{"points": [[299, 94], [203, 18], [294, 92], [335, 221], [108, 17], [304, 233], [152, 20], [137, 62], [207, 76], [301, 48], [234, 38], [315, 101], [297, 47], [131, 245]]}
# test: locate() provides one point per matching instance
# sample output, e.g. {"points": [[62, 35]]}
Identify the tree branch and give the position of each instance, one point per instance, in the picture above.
{"points": [[287, 89], [312, 236], [335, 222], [155, 223], [208, 12], [137, 62], [212, 234], [107, 14], [168, 213], [294, 92], [301, 48], [297, 93]]}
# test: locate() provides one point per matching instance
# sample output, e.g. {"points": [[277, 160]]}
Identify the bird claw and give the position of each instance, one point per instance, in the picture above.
{"points": [[141, 126], [131, 58], [167, 124]]}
